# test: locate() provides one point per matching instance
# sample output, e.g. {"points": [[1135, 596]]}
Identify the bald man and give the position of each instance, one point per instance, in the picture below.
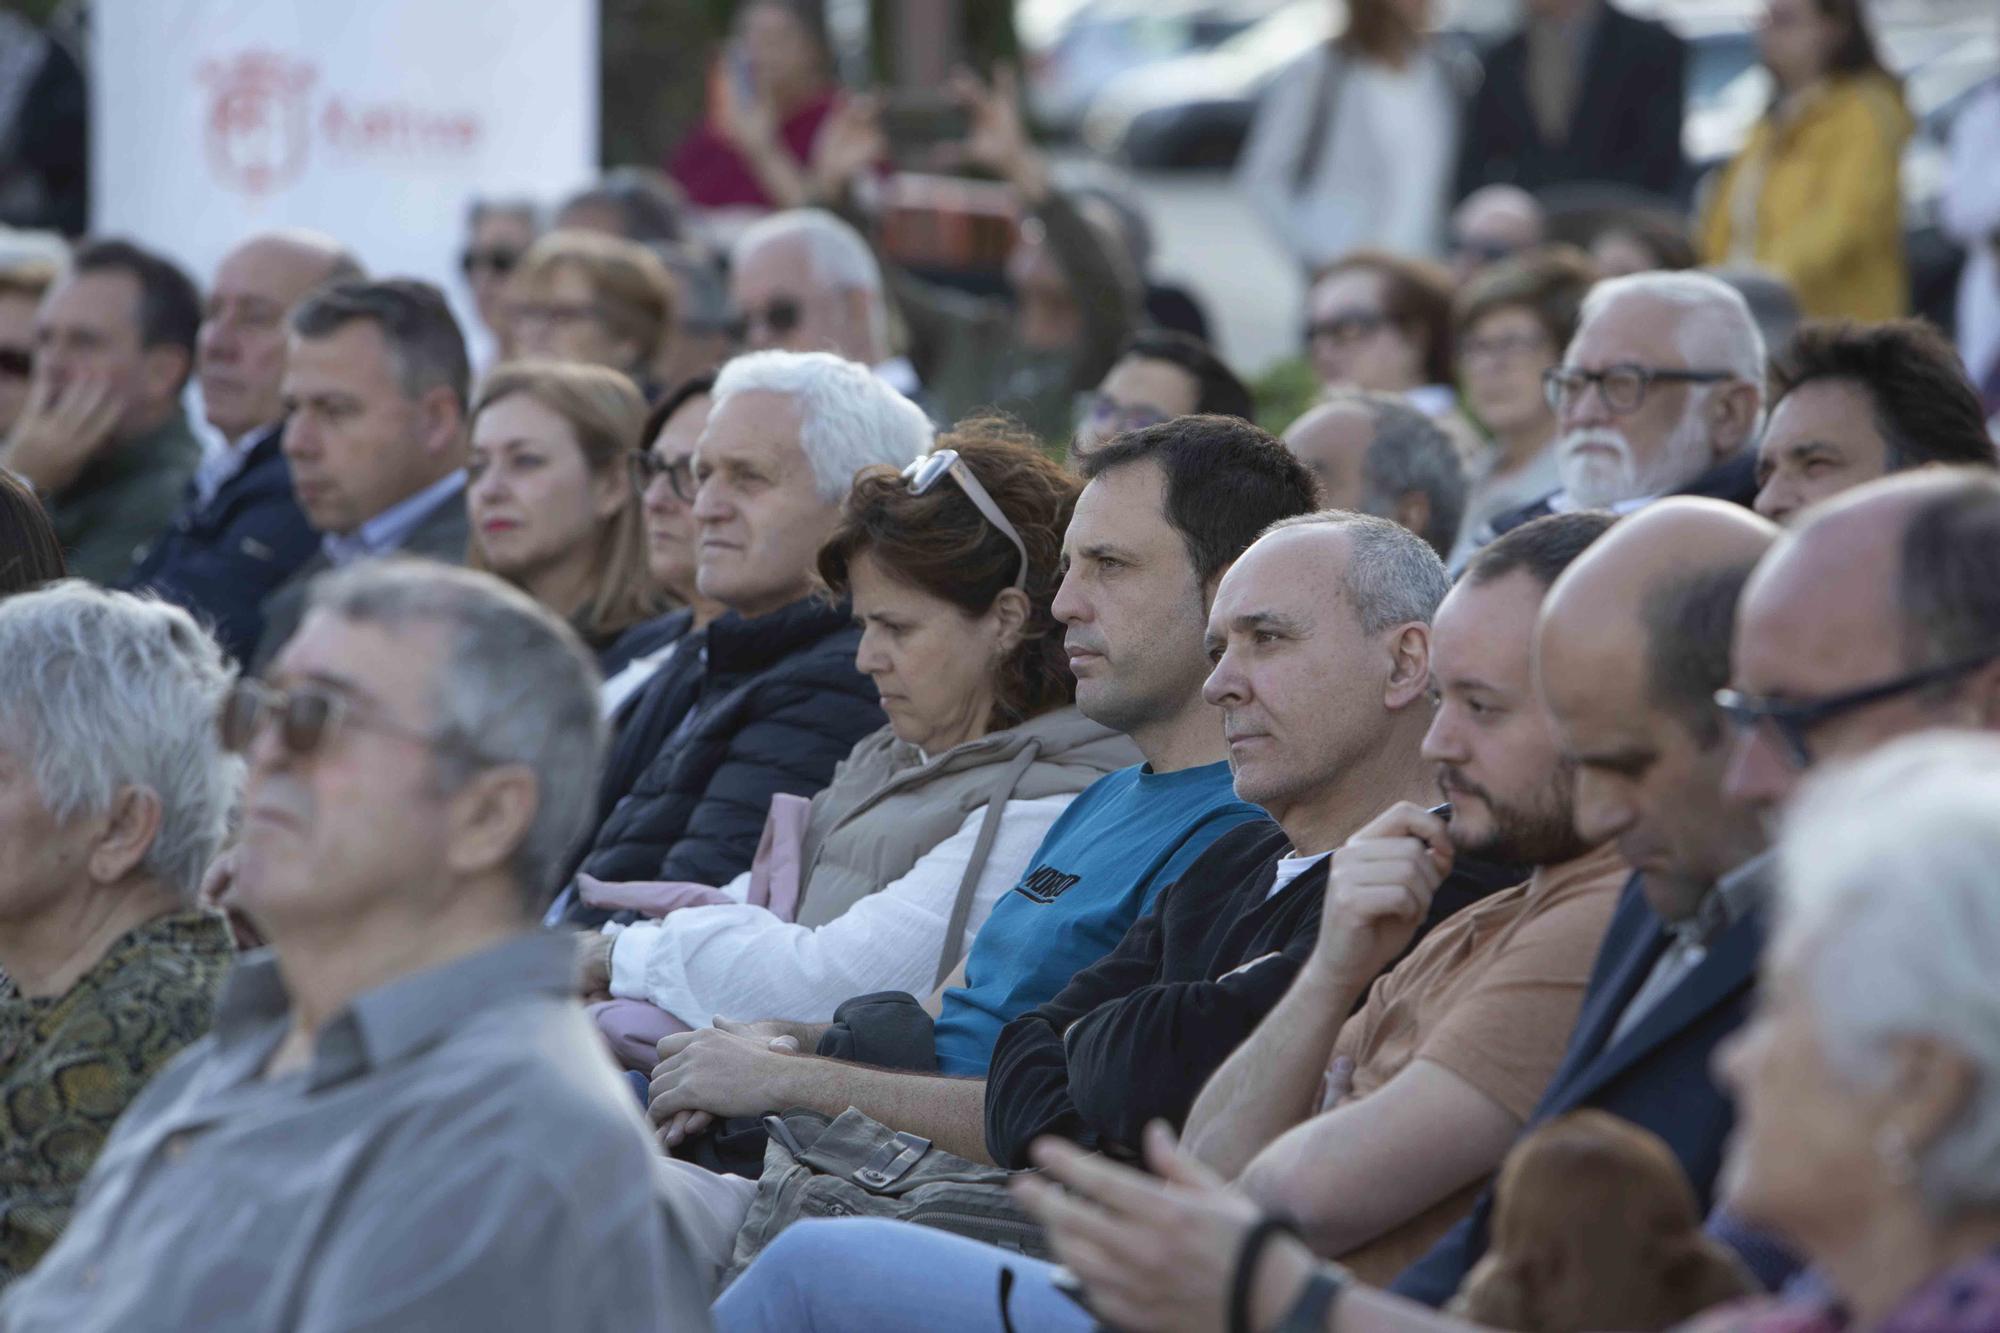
{"points": [[240, 532], [1878, 615], [1631, 642], [1373, 453]]}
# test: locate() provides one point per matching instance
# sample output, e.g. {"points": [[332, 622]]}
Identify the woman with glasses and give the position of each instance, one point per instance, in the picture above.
{"points": [[1814, 195], [951, 567], [600, 300], [1381, 322], [551, 501], [1512, 322]]}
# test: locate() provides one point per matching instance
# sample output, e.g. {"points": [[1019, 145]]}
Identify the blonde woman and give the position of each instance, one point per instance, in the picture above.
{"points": [[551, 500], [581, 296]]}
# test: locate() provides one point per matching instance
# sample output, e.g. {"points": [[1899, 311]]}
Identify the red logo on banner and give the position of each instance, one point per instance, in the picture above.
{"points": [[258, 123]]}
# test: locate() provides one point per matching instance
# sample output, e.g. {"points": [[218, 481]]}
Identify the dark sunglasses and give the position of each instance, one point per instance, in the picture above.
{"points": [[501, 262], [307, 717], [1792, 720], [17, 362], [647, 468], [780, 315]]}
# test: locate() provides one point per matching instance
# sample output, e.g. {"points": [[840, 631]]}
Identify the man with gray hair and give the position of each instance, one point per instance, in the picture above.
{"points": [[113, 797], [766, 698], [805, 281], [1373, 453], [402, 1118], [1660, 393], [375, 389]]}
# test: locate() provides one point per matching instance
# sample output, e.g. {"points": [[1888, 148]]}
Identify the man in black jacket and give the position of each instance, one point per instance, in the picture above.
{"points": [[1584, 94], [1320, 636], [766, 699], [241, 532]]}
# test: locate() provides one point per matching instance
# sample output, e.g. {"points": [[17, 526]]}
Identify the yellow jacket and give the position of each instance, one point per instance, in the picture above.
{"points": [[1815, 199]]}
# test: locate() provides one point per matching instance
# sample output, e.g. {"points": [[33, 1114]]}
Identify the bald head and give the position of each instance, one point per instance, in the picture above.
{"points": [[1332, 441], [1891, 578], [240, 355], [1632, 643], [1373, 453]]}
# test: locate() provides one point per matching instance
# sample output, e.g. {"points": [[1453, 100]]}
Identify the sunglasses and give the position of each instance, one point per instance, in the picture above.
{"points": [[307, 717], [780, 315], [934, 467], [1792, 720], [499, 262], [647, 468], [17, 362]]}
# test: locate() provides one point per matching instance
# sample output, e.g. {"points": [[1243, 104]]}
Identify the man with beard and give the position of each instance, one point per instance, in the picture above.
{"points": [[1659, 393]]}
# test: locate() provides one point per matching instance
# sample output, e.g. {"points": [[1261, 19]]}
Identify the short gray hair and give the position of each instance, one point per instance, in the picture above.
{"points": [[848, 419], [516, 687], [425, 343], [1716, 329], [1410, 452], [1889, 882], [104, 691], [840, 259], [1393, 576]]}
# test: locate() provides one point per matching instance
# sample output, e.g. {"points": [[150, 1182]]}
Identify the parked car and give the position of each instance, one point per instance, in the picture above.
{"points": [[1070, 59]]}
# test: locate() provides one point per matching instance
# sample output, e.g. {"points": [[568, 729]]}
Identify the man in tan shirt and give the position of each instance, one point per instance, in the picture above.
{"points": [[1433, 1077]]}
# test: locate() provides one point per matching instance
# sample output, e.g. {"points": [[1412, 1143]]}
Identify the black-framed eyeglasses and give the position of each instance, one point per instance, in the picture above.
{"points": [[1792, 720], [1108, 417], [17, 362], [1346, 326], [648, 468], [499, 262], [933, 467], [1623, 387], [308, 717]]}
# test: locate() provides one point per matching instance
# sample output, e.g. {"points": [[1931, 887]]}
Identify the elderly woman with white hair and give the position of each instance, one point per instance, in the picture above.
{"points": [[1867, 1088], [114, 793]]}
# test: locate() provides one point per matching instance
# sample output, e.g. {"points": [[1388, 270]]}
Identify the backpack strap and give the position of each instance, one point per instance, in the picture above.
{"points": [[989, 829]]}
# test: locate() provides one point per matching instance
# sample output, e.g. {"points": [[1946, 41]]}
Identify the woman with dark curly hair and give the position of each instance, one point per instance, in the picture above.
{"points": [[951, 566]]}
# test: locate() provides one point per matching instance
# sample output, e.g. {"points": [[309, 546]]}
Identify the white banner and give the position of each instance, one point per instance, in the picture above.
{"points": [[377, 121]]}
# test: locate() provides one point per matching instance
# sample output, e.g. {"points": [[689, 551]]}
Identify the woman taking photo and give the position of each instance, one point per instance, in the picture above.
{"points": [[951, 567], [1814, 194], [551, 500]]}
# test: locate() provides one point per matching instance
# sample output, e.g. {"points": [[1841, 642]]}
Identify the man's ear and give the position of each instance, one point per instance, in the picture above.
{"points": [[164, 371], [1731, 412], [1409, 666], [1933, 1085], [489, 817], [441, 419], [130, 827]]}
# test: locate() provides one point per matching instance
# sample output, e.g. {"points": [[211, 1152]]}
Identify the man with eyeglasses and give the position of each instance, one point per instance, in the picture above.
{"points": [[1660, 393], [1159, 375], [401, 1117], [240, 532], [1878, 614]]}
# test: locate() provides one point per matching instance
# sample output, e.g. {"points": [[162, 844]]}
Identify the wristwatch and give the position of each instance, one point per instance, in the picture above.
{"points": [[1308, 1313]]}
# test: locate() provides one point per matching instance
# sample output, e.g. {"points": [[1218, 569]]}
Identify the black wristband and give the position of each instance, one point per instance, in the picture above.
{"points": [[1309, 1311], [1247, 1254]]}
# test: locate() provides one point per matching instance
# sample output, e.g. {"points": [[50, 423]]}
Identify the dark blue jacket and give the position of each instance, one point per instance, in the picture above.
{"points": [[743, 710], [222, 559], [1657, 1077]]}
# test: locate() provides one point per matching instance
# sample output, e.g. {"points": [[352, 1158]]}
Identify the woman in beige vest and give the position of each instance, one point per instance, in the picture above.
{"points": [[952, 567]]}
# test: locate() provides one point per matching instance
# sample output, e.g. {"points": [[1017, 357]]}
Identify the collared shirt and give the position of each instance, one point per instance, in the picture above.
{"points": [[457, 1153], [220, 464], [1734, 896], [388, 530]]}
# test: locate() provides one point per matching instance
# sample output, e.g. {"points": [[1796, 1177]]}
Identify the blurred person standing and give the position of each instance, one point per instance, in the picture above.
{"points": [[400, 1118], [550, 497], [1512, 322], [1353, 144], [770, 93], [1814, 195], [1582, 93], [103, 437], [497, 233], [114, 794], [375, 392], [1970, 212], [23, 283], [585, 296], [240, 532]]}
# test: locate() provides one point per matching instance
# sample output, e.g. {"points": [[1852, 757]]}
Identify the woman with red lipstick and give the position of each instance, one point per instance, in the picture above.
{"points": [[552, 504]]}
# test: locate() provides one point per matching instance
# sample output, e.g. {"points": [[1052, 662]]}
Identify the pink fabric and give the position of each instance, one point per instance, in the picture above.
{"points": [[632, 1029], [715, 175]]}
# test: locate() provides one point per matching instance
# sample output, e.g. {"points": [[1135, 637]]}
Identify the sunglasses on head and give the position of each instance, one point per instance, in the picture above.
{"points": [[934, 467], [501, 262], [308, 717], [17, 362]]}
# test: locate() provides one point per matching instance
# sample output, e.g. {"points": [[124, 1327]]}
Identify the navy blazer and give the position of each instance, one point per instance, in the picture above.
{"points": [[222, 559], [1625, 128], [1657, 1076]]}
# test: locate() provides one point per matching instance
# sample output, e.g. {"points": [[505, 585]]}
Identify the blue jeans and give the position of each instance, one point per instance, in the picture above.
{"points": [[868, 1275]]}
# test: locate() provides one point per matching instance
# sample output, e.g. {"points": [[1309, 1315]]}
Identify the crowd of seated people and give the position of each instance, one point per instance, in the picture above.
{"points": [[763, 791]]}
